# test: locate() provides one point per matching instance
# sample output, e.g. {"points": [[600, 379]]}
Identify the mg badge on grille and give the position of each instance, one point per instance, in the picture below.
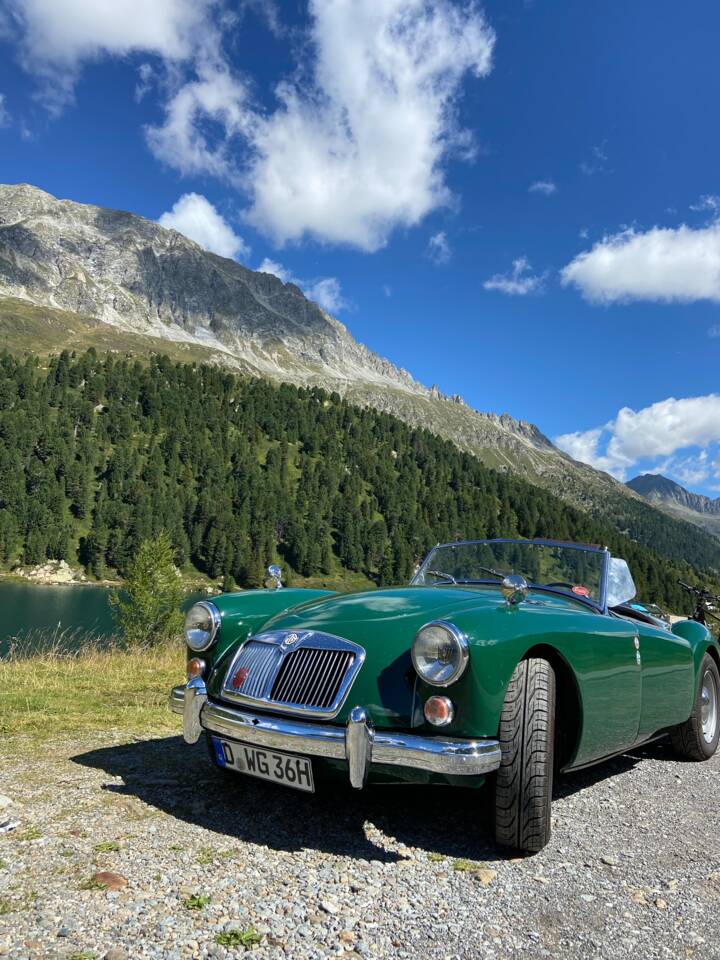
{"points": [[290, 639], [239, 677]]}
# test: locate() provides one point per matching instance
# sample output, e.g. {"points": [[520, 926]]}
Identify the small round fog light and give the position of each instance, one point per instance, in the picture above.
{"points": [[195, 668], [439, 711]]}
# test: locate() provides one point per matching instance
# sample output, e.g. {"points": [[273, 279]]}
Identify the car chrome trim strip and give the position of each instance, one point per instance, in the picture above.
{"points": [[302, 672], [356, 742]]}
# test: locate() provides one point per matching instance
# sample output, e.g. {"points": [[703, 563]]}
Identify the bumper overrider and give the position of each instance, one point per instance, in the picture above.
{"points": [[357, 742]]}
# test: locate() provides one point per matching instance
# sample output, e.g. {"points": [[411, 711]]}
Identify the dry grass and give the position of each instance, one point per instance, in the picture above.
{"points": [[66, 685]]}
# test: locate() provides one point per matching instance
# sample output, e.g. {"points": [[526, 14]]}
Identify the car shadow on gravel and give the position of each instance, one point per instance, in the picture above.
{"points": [[182, 782]]}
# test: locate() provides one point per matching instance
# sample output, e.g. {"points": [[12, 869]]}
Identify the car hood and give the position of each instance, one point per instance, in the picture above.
{"points": [[384, 623]]}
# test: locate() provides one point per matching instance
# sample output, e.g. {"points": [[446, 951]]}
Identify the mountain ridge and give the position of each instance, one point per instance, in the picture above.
{"points": [[677, 501], [69, 269]]}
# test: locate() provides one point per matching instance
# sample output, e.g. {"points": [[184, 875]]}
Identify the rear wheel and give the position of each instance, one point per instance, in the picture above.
{"points": [[523, 784], [697, 738]]}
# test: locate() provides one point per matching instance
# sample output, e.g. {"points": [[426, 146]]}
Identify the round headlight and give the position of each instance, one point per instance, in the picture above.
{"points": [[202, 622], [440, 653]]}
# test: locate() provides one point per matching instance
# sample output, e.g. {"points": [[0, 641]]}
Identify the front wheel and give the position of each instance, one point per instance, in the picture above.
{"points": [[524, 780], [697, 738]]}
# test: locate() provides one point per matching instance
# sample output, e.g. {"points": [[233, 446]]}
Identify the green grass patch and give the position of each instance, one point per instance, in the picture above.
{"points": [[107, 846], [238, 938], [208, 855], [196, 902], [92, 884], [99, 686], [29, 833], [83, 955]]}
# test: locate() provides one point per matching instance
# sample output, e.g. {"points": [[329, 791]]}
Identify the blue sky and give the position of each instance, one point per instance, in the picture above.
{"points": [[517, 202]]}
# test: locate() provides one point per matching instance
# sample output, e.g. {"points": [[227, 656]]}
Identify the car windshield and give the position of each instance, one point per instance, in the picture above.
{"points": [[571, 569]]}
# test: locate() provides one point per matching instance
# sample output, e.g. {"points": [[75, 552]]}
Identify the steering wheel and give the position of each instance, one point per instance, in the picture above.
{"points": [[560, 583]]}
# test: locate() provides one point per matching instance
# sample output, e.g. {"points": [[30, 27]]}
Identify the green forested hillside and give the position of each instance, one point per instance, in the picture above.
{"points": [[99, 453]]}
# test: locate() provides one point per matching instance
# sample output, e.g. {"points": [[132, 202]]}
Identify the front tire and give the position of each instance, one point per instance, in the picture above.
{"points": [[697, 738], [524, 780]]}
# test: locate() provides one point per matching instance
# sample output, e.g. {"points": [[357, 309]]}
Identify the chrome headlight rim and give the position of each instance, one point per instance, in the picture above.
{"points": [[463, 649], [215, 621]]}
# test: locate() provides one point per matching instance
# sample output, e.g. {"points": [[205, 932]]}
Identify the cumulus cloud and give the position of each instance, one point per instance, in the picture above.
{"points": [[661, 264], [355, 148], [357, 142], [519, 282], [546, 187], [438, 248], [194, 216], [201, 119], [57, 36], [325, 291], [659, 430]]}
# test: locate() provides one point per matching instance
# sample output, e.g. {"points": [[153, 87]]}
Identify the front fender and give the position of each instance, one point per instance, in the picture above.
{"points": [[248, 611]]}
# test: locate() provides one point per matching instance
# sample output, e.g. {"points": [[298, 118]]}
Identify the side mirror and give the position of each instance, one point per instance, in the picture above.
{"points": [[514, 588], [275, 574]]}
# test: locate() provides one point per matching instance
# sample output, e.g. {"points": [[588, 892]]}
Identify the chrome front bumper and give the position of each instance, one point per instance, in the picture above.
{"points": [[357, 742]]}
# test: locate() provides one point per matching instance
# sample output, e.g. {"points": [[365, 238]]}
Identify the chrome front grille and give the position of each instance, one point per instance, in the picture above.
{"points": [[311, 677], [261, 660], [304, 672]]}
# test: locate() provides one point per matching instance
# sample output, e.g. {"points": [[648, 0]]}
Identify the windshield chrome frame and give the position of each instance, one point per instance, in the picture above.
{"points": [[600, 604]]}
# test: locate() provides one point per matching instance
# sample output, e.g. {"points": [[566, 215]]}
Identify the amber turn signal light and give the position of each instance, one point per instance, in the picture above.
{"points": [[439, 711], [195, 668]]}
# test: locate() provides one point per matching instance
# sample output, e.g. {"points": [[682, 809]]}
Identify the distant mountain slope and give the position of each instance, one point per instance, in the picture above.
{"points": [[78, 275], [678, 502]]}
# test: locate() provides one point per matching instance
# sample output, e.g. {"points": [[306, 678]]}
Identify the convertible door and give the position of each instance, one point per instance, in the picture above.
{"points": [[668, 679], [610, 685]]}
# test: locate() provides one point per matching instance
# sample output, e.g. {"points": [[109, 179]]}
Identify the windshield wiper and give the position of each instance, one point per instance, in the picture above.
{"points": [[495, 573], [448, 577]]}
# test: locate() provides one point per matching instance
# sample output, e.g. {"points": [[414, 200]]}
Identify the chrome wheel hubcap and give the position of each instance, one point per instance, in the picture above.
{"points": [[709, 706]]}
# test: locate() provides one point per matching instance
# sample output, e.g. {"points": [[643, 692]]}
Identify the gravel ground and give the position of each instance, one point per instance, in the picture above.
{"points": [[406, 872]]}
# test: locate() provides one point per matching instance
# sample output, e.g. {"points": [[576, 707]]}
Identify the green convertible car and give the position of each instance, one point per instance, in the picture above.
{"points": [[503, 660]]}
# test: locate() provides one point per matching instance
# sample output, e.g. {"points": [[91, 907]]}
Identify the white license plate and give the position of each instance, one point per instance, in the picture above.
{"points": [[286, 768]]}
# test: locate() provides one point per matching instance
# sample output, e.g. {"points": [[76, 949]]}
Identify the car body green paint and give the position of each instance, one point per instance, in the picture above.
{"points": [[631, 680]]}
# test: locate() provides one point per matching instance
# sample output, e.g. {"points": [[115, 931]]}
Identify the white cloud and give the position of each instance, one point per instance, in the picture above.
{"points": [[585, 447], [358, 140], [709, 202], [661, 264], [4, 114], [597, 162], [146, 78], [325, 291], [690, 471], [546, 187], [519, 282], [195, 217], [659, 430], [354, 149], [57, 36], [200, 120], [438, 248]]}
